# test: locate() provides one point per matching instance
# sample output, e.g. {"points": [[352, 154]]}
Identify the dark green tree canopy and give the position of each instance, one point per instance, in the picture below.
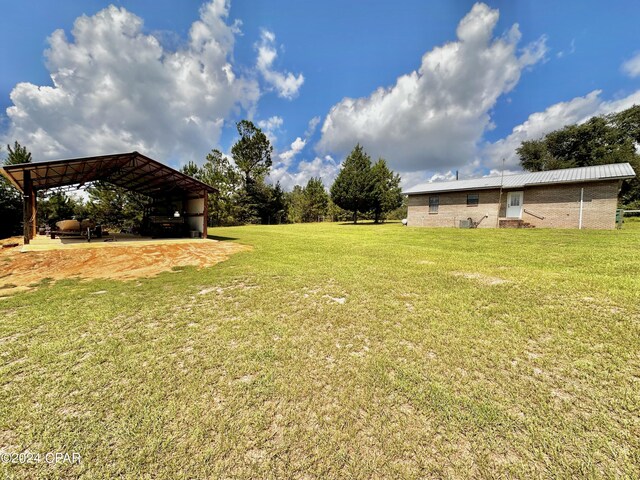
{"points": [[252, 156], [627, 121], [192, 169], [242, 196], [296, 204], [59, 206], [387, 194], [252, 152], [277, 205], [309, 203], [10, 197], [17, 154], [353, 187], [116, 207], [220, 173], [316, 200]]}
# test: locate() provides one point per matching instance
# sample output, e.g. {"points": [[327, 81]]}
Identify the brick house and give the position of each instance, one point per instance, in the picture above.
{"points": [[584, 197]]}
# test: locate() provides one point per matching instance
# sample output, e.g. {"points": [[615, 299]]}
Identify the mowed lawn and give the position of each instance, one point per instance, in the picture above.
{"points": [[338, 351]]}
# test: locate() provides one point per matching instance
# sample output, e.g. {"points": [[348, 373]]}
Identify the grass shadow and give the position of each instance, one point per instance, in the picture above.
{"points": [[368, 224], [220, 239]]}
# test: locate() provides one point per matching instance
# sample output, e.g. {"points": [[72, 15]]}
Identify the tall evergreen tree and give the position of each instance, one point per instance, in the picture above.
{"points": [[220, 173], [316, 200], [17, 154], [353, 187], [337, 214], [296, 204], [252, 152], [10, 197], [277, 205], [192, 169], [627, 121], [59, 206], [387, 194], [116, 207], [252, 155]]}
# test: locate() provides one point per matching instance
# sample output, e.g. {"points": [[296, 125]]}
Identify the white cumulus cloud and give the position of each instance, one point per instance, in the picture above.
{"points": [[270, 126], [324, 167], [574, 111], [296, 147], [116, 88], [433, 118], [632, 66], [286, 84], [311, 127], [289, 174]]}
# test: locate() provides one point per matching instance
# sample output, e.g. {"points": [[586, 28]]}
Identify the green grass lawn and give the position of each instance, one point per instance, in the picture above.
{"points": [[338, 351]]}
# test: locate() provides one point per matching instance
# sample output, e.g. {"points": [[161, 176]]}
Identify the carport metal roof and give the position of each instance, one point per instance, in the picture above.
{"points": [[132, 171]]}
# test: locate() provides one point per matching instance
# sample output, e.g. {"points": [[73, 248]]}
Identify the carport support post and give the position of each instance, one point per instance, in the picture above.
{"points": [[34, 211], [27, 206], [205, 215]]}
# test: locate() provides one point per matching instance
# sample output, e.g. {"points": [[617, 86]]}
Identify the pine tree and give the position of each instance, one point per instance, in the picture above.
{"points": [[116, 207], [277, 205], [252, 152], [316, 200], [296, 204], [252, 155], [10, 197], [387, 194], [353, 188], [17, 154]]}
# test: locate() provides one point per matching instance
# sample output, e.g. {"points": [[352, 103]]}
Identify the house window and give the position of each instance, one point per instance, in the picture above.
{"points": [[434, 203], [473, 199]]}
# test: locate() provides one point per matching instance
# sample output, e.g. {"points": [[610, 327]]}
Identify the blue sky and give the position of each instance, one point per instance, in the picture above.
{"points": [[432, 86]]}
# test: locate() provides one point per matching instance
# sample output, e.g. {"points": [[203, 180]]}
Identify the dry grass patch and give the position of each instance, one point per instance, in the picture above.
{"points": [[481, 278]]}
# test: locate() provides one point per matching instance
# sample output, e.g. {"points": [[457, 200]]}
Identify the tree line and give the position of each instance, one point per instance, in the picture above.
{"points": [[362, 189], [243, 196]]}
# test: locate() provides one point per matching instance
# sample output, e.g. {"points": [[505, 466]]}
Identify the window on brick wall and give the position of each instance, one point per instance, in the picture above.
{"points": [[434, 203], [473, 199]]}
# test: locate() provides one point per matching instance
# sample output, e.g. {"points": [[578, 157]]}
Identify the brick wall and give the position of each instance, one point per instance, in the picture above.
{"points": [[558, 204], [453, 208]]}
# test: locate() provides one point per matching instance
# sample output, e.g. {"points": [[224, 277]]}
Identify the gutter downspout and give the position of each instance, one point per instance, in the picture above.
{"points": [[581, 202], [500, 196]]}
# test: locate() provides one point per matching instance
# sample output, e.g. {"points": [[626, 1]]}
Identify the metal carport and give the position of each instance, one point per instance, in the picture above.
{"points": [[132, 171]]}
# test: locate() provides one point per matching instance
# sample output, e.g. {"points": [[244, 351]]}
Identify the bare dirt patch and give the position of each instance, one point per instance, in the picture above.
{"points": [[25, 270], [340, 300], [481, 278]]}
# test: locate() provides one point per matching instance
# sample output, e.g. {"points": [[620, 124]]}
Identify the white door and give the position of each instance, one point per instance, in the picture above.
{"points": [[514, 205]]}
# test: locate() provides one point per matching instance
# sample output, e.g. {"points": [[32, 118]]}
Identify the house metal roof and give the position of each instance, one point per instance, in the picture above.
{"points": [[132, 171], [612, 171]]}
